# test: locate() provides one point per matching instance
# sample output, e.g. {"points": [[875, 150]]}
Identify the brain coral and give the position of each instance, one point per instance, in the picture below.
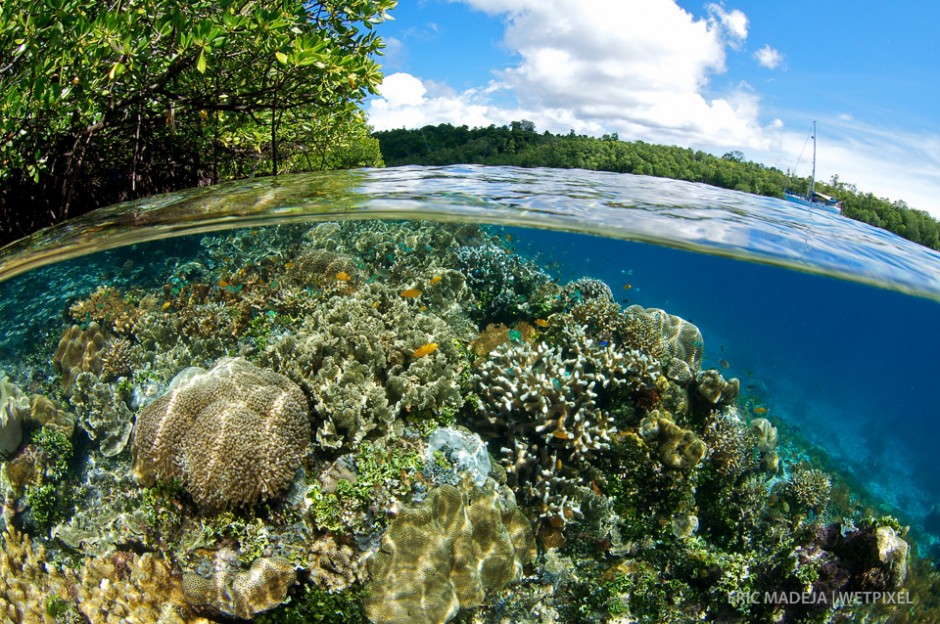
{"points": [[446, 555], [681, 339], [234, 434]]}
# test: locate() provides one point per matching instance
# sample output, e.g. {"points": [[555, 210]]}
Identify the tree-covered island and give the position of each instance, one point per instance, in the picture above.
{"points": [[519, 144]]}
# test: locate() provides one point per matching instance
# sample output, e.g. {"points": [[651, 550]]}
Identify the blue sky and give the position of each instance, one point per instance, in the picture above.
{"points": [[750, 75]]}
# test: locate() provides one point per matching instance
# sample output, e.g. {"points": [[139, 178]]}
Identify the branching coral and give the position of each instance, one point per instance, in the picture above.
{"points": [[446, 555], [233, 435], [731, 447], [807, 489], [108, 307], [505, 286]]}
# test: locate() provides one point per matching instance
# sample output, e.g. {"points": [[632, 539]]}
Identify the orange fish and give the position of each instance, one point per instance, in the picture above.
{"points": [[627, 286], [509, 238], [435, 279], [541, 322], [166, 305], [760, 411], [561, 435], [411, 293], [424, 350], [223, 284], [343, 276]]}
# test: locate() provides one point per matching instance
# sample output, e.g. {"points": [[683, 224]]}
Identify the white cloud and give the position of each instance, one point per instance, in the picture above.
{"points": [[734, 22], [768, 57]]}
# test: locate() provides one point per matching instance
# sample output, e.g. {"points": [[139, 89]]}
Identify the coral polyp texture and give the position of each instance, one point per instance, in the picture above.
{"points": [[233, 435], [446, 555], [14, 409], [681, 339]]}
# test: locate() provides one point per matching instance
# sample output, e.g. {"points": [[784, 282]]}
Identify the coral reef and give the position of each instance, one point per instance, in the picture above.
{"points": [[586, 289], [234, 434], [14, 408], [108, 307], [731, 447], [464, 450], [78, 352], [505, 286], [447, 555], [225, 589], [45, 413]]}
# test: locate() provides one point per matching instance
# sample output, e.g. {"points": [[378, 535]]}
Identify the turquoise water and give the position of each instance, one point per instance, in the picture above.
{"points": [[830, 326]]}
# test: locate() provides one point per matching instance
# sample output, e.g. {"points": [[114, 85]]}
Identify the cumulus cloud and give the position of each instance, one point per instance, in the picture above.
{"points": [[734, 23], [768, 57]]}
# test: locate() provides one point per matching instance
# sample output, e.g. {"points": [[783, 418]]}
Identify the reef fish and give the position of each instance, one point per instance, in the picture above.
{"points": [[435, 279], [424, 350], [760, 411], [724, 363], [411, 293], [541, 322], [166, 305], [343, 276]]}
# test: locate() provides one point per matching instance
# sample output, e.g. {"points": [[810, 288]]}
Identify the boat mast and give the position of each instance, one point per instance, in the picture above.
{"points": [[812, 178]]}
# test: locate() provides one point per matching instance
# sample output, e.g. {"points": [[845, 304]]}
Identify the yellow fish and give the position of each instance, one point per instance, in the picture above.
{"points": [[541, 322], [760, 411], [411, 293], [289, 265], [424, 350], [435, 279], [627, 286], [343, 276], [561, 435], [166, 305]]}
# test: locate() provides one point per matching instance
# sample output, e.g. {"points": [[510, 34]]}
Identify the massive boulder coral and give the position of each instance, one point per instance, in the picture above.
{"points": [[677, 448], [446, 555], [233, 435]]}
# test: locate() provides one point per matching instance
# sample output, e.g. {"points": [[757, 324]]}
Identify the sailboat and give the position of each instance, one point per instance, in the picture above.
{"points": [[814, 199]]}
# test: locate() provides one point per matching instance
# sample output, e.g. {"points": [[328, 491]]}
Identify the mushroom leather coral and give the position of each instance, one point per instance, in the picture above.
{"points": [[234, 434]]}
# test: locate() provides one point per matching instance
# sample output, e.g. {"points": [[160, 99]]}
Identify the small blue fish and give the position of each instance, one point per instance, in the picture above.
{"points": [[604, 343]]}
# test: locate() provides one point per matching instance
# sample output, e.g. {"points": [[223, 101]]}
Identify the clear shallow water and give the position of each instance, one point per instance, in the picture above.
{"points": [[830, 325]]}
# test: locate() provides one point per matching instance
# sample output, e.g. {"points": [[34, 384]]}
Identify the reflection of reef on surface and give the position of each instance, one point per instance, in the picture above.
{"points": [[407, 422]]}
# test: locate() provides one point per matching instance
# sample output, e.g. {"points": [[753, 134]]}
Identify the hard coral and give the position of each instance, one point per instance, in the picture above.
{"points": [[680, 338], [230, 591], [78, 352], [677, 448], [234, 434], [447, 555], [14, 408], [102, 413]]}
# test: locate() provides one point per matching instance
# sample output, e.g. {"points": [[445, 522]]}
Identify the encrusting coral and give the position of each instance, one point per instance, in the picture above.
{"points": [[446, 555], [225, 589], [233, 435], [102, 413], [677, 448]]}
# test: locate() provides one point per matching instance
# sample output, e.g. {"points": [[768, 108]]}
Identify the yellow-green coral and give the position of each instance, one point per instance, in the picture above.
{"points": [[446, 555], [232, 435], [78, 352]]}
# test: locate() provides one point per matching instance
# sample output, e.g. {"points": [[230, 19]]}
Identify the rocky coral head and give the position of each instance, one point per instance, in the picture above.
{"points": [[233, 435]]}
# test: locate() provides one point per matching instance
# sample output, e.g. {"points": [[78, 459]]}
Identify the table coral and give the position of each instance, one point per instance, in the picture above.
{"points": [[234, 434], [446, 555]]}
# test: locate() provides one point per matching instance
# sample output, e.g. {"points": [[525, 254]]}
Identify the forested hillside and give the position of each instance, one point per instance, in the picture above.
{"points": [[519, 144]]}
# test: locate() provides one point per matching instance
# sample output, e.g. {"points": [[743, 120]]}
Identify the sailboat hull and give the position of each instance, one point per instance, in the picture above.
{"points": [[803, 200]]}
